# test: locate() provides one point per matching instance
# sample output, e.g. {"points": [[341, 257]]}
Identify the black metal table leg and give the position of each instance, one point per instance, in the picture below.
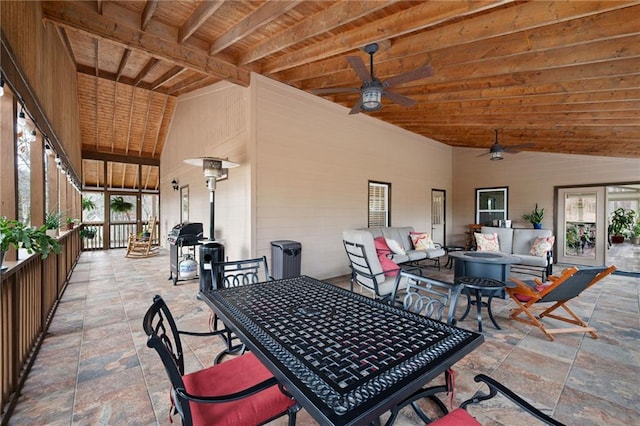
{"points": [[489, 299], [479, 309]]}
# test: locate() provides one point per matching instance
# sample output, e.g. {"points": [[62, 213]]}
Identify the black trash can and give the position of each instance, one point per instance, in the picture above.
{"points": [[209, 252], [286, 258]]}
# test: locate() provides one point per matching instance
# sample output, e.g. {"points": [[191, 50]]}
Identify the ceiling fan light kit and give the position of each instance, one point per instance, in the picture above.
{"points": [[372, 89], [372, 98], [497, 155]]}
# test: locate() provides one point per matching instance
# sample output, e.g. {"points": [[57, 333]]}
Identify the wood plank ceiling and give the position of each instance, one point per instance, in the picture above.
{"points": [[563, 77]]}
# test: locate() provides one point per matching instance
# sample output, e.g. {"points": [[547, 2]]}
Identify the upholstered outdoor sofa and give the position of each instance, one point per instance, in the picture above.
{"points": [[519, 242], [366, 268]]}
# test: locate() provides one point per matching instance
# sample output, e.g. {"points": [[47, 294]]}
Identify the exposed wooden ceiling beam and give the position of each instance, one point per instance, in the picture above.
{"points": [[422, 16], [123, 63], [150, 65], [189, 86], [115, 158], [266, 13], [147, 13], [338, 14], [81, 18], [167, 77], [197, 18], [66, 44], [541, 29]]}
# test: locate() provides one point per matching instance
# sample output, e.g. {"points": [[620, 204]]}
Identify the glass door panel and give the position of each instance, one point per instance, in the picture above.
{"points": [[581, 236]]}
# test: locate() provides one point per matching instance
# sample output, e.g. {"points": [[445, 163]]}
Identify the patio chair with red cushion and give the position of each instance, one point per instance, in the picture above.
{"points": [[461, 417], [240, 391]]}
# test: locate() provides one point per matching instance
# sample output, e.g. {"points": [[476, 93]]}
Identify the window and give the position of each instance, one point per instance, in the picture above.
{"points": [[491, 205], [379, 204]]}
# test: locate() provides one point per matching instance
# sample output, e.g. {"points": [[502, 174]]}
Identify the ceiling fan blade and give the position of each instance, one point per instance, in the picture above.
{"points": [[399, 99], [359, 67], [408, 76], [483, 154], [357, 107], [330, 90], [517, 148]]}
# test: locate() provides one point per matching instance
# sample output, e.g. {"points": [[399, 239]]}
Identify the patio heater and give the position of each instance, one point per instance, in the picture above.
{"points": [[214, 169]]}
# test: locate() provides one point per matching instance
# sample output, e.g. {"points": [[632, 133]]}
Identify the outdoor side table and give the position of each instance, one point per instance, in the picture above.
{"points": [[450, 249], [478, 285]]}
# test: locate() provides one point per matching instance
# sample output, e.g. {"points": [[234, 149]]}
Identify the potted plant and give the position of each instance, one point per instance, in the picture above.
{"points": [[145, 234], [120, 205], [635, 233], [535, 217], [71, 222], [88, 204], [88, 232], [52, 221], [620, 223], [34, 240]]}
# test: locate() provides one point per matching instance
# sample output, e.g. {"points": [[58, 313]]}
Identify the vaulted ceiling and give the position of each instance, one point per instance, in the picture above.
{"points": [[561, 77]]}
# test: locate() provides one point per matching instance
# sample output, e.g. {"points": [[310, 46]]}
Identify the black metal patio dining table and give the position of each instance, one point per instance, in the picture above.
{"points": [[345, 358]]}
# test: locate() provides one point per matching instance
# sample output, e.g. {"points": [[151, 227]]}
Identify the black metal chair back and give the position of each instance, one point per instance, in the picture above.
{"points": [[431, 298], [235, 273], [240, 272], [163, 336], [426, 296]]}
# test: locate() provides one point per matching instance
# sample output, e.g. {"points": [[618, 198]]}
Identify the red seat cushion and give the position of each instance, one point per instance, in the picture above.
{"points": [[229, 377], [457, 417]]}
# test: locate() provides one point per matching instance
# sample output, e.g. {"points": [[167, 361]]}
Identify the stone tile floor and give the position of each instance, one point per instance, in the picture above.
{"points": [[94, 367]]}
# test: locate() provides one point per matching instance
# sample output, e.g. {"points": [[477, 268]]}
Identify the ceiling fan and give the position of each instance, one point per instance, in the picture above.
{"points": [[372, 88], [496, 149]]}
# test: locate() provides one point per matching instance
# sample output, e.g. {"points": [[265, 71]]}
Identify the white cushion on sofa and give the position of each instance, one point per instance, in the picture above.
{"points": [[395, 246]]}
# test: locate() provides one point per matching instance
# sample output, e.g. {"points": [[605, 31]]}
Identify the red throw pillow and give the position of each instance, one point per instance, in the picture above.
{"points": [[381, 246], [389, 267]]}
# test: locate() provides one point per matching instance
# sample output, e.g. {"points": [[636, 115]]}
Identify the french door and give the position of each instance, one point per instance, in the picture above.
{"points": [[582, 226]]}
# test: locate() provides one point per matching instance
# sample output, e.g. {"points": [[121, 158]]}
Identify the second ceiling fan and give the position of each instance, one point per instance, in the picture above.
{"points": [[496, 149], [373, 89]]}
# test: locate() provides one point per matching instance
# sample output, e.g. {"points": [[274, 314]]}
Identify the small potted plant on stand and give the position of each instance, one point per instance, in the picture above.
{"points": [[535, 217], [52, 221], [71, 222], [635, 233], [620, 223], [34, 240]]}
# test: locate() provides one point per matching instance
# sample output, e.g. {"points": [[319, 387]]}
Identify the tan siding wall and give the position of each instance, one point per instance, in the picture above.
{"points": [[531, 178], [313, 164], [213, 122]]}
